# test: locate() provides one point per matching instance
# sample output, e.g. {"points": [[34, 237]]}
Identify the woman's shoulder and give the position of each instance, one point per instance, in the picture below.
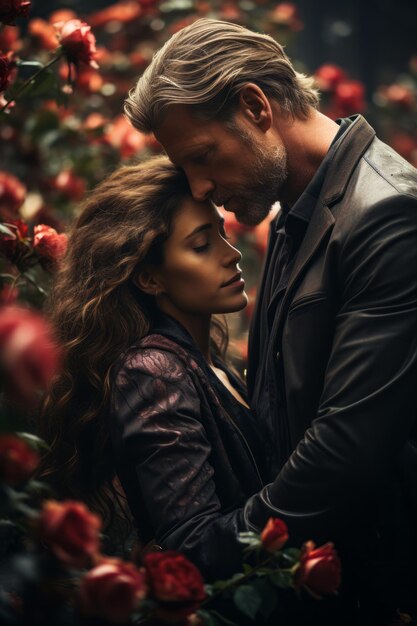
{"points": [[157, 356]]}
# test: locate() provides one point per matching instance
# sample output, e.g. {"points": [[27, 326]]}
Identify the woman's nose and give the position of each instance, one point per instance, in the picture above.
{"points": [[232, 256]]}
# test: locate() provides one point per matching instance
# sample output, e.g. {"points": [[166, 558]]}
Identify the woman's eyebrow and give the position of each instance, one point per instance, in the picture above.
{"points": [[199, 229]]}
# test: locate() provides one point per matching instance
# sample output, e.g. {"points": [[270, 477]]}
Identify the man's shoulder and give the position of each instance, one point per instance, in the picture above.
{"points": [[390, 169], [382, 182]]}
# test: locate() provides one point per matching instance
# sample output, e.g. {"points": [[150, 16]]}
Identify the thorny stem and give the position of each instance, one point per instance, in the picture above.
{"points": [[238, 581], [29, 81]]}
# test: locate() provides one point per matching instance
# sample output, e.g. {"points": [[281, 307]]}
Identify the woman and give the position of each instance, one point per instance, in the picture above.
{"points": [[144, 394]]}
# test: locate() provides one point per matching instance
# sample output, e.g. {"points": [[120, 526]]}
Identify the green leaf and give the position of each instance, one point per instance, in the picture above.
{"points": [[269, 596], [207, 618], [7, 231], [292, 555], [46, 84], [281, 579], [247, 600], [33, 440], [36, 64]]}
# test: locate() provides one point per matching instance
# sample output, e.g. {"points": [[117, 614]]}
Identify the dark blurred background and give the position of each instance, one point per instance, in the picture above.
{"points": [[372, 39]]}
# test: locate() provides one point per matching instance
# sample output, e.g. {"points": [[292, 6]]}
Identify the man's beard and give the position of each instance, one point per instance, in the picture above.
{"points": [[267, 176]]}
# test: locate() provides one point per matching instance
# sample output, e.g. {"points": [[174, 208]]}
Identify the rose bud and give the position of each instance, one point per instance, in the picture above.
{"points": [[18, 460], [71, 531], [113, 590], [274, 535], [49, 245], [319, 569], [11, 9], [12, 195], [29, 357], [176, 584], [78, 42]]}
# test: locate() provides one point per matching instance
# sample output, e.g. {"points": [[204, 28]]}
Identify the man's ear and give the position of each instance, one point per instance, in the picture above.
{"points": [[148, 281], [255, 106]]}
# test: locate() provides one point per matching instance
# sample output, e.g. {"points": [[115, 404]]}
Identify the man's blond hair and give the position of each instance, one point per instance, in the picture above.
{"points": [[206, 64]]}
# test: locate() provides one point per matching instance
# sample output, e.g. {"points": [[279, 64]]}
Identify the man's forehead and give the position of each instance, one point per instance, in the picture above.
{"points": [[181, 134]]}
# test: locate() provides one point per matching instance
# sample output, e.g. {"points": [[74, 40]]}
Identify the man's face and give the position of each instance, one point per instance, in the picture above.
{"points": [[239, 169]]}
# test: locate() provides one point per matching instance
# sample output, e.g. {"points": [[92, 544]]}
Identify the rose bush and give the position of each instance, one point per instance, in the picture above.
{"points": [[113, 589], [319, 570], [71, 531], [275, 534], [18, 460]]}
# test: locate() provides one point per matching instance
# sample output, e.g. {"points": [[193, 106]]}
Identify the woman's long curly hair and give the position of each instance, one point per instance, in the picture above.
{"points": [[97, 312]]}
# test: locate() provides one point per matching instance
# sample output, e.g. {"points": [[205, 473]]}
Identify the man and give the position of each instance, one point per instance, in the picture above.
{"points": [[333, 346]]}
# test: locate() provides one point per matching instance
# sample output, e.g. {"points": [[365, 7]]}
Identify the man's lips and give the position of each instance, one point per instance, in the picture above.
{"points": [[235, 279]]}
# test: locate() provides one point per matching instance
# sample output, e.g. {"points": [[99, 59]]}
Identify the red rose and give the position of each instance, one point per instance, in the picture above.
{"points": [[10, 38], [11, 9], [77, 41], [122, 136], [319, 570], [12, 195], [71, 531], [274, 535], [17, 460], [70, 184], [328, 76], [286, 14], [175, 582], [29, 358], [49, 245], [113, 590], [349, 97], [399, 95], [123, 12], [43, 34]]}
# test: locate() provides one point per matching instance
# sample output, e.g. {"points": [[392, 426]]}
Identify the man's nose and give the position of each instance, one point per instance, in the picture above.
{"points": [[201, 188]]}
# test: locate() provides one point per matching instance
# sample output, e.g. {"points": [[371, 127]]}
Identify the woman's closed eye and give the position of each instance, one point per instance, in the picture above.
{"points": [[201, 244]]}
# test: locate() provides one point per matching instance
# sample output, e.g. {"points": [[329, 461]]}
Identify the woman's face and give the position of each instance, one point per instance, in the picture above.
{"points": [[200, 272]]}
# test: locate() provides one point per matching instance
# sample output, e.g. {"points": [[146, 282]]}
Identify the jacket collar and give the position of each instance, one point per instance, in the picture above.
{"points": [[350, 150]]}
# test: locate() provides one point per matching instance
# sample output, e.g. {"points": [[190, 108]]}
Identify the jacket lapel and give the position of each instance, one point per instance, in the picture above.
{"points": [[353, 144], [321, 223]]}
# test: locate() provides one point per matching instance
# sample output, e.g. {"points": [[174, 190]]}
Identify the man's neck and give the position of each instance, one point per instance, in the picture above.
{"points": [[307, 143]]}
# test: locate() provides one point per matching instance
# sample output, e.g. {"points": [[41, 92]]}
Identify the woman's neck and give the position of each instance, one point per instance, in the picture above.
{"points": [[198, 325]]}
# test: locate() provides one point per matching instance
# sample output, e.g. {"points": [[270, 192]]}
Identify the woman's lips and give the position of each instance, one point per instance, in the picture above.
{"points": [[236, 280]]}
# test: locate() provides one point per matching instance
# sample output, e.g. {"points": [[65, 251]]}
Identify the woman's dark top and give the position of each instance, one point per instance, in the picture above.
{"points": [[187, 452]]}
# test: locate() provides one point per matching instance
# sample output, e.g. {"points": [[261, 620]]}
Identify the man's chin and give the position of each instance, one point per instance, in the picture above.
{"points": [[251, 217]]}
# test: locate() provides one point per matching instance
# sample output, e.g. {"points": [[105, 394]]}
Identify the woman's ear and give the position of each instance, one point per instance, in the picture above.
{"points": [[148, 281]]}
